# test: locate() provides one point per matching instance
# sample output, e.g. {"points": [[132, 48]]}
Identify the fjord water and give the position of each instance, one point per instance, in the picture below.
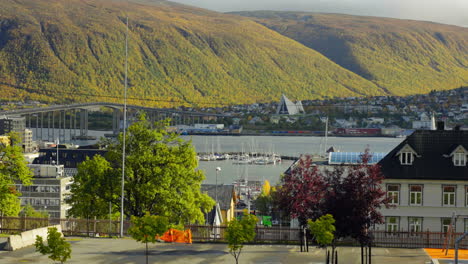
{"points": [[282, 145]]}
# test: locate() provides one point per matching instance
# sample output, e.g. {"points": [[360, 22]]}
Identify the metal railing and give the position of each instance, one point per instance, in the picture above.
{"points": [[208, 233], [70, 226]]}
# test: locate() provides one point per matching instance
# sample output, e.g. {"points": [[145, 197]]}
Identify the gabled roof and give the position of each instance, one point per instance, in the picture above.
{"points": [[287, 107], [408, 148], [456, 148], [432, 146], [225, 194]]}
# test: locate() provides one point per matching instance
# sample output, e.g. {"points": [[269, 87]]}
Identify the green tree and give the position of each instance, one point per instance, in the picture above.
{"points": [[29, 211], [160, 177], [145, 229], [323, 229], [239, 232], [13, 169], [57, 248], [92, 189], [160, 173]]}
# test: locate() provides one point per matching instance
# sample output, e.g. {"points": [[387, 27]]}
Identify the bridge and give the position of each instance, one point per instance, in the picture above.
{"points": [[49, 123]]}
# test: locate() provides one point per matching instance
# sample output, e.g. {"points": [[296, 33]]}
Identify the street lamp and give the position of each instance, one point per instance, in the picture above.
{"points": [[218, 169]]}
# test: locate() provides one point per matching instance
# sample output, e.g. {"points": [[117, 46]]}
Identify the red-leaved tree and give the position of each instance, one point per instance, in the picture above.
{"points": [[301, 193], [355, 197], [351, 193]]}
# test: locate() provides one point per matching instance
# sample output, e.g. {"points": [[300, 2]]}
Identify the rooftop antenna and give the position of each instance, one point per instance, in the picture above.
{"points": [[124, 134]]}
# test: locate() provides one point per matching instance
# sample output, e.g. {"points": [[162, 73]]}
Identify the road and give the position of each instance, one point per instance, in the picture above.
{"points": [[94, 250]]}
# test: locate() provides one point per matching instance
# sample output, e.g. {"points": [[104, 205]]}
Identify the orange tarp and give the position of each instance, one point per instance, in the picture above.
{"points": [[178, 236], [437, 253]]}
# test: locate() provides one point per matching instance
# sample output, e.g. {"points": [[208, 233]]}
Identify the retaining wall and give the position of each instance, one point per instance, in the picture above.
{"points": [[28, 238]]}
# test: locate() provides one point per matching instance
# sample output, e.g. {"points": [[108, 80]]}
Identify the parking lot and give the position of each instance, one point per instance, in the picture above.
{"points": [[94, 250]]}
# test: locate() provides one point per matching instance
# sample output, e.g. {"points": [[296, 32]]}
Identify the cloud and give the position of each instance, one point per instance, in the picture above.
{"points": [[443, 11]]}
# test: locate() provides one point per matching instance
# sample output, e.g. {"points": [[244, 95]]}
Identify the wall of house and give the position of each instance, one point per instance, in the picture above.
{"points": [[432, 211]]}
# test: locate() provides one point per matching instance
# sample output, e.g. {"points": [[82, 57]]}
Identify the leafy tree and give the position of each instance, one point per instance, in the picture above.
{"points": [[354, 198], [323, 229], [239, 232], [13, 169], [302, 191], [145, 229], [93, 178], [264, 201], [352, 194], [266, 188], [160, 177], [29, 211], [57, 248]]}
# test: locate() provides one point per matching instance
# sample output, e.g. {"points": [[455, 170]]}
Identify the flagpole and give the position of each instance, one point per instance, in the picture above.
{"points": [[124, 136]]}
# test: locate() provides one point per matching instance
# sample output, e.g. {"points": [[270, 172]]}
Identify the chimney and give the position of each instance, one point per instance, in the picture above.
{"points": [[440, 125]]}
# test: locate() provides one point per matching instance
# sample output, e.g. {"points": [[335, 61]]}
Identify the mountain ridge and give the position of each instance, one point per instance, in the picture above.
{"points": [[427, 55], [72, 51]]}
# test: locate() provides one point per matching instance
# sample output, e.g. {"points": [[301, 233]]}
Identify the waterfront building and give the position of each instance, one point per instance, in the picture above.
{"points": [[287, 107], [426, 177], [49, 188]]}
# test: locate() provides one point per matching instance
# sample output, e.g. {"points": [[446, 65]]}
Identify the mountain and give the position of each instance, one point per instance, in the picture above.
{"points": [[400, 56], [62, 51]]}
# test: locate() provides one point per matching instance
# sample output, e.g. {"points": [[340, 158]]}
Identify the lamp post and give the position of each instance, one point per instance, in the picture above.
{"points": [[218, 169]]}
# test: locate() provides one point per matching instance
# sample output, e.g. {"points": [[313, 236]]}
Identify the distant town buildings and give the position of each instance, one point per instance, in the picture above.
{"points": [[17, 125]]}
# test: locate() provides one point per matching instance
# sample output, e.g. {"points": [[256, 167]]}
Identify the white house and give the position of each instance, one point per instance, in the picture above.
{"points": [[427, 178]]}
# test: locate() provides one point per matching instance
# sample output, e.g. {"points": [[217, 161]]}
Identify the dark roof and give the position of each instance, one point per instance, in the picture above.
{"points": [[225, 194], [430, 163]]}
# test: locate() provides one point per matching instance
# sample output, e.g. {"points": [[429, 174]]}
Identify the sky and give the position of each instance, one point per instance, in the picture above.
{"points": [[453, 12]]}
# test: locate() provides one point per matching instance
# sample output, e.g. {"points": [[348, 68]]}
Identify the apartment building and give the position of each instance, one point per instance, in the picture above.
{"points": [[48, 190], [426, 177]]}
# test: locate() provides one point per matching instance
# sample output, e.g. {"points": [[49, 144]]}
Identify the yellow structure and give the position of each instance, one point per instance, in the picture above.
{"points": [[5, 140]]}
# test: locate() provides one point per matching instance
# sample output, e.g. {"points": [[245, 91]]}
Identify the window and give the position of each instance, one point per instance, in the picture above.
{"points": [[392, 223], [466, 225], [416, 194], [466, 195], [406, 158], [448, 196], [459, 159], [414, 224], [446, 224], [393, 191]]}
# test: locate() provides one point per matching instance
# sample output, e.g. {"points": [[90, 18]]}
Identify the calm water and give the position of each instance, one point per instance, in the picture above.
{"points": [[283, 145]]}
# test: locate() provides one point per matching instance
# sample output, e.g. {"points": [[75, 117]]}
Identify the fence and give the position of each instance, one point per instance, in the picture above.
{"points": [[281, 235], [415, 239], [204, 233], [70, 226]]}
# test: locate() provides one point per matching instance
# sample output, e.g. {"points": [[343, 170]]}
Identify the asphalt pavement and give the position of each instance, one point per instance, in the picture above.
{"points": [[102, 250]]}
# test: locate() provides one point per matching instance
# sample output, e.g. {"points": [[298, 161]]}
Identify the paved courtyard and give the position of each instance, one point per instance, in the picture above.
{"points": [[93, 250]]}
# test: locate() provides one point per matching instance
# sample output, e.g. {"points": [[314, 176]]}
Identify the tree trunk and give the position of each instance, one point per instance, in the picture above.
{"points": [[362, 254], [146, 252], [370, 253]]}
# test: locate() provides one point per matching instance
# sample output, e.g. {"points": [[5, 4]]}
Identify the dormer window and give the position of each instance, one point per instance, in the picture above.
{"points": [[459, 159], [458, 156], [406, 155], [406, 158]]}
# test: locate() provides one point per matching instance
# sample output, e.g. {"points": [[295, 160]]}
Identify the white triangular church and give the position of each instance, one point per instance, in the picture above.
{"points": [[287, 107]]}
